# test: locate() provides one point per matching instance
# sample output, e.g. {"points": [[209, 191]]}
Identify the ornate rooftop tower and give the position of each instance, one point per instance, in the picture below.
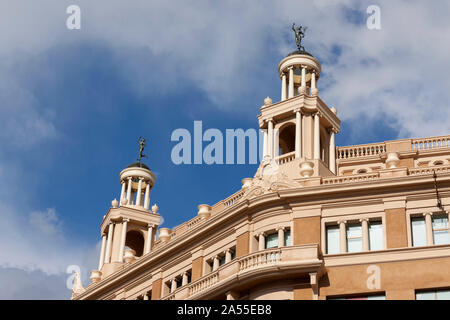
{"points": [[128, 229], [301, 127]]}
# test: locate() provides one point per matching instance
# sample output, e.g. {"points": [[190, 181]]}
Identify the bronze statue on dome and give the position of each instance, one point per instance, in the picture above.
{"points": [[142, 144], [299, 35]]}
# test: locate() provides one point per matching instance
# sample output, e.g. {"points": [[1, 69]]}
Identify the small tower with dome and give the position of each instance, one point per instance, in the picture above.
{"points": [[128, 229], [299, 130]]}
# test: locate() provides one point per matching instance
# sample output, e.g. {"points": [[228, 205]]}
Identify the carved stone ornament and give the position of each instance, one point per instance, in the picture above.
{"points": [[77, 285], [268, 179]]}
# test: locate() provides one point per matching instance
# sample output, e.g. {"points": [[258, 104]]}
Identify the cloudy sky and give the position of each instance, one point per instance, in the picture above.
{"points": [[73, 102]]}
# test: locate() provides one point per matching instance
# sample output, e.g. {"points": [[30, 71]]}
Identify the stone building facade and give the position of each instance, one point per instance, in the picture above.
{"points": [[315, 222]]}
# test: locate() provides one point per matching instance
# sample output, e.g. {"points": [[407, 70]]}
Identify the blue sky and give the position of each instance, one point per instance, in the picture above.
{"points": [[73, 103]]}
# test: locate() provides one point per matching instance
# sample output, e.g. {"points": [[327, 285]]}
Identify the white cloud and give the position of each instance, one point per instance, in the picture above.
{"points": [[221, 48]]}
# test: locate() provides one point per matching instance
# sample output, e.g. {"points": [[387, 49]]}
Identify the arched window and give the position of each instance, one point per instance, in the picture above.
{"points": [[135, 241], [287, 139]]}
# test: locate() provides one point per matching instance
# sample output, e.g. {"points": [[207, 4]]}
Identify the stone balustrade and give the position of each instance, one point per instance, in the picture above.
{"points": [[351, 152], [302, 256], [233, 198], [285, 158], [431, 143], [351, 178]]}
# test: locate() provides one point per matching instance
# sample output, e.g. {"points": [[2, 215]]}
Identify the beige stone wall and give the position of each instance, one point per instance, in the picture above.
{"points": [[243, 244], [399, 280], [396, 234], [197, 268], [157, 289], [306, 230]]}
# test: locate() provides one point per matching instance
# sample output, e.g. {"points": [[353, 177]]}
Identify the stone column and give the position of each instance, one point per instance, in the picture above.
{"points": [[280, 237], [276, 142], [283, 86], [123, 237], [216, 263], [227, 256], [265, 144], [149, 242], [139, 192], [122, 193], [232, 295], [314, 285], [261, 241], [173, 286], [298, 134], [270, 128], [291, 82], [316, 136], [429, 227], [109, 242], [147, 196], [129, 190], [332, 152], [303, 85], [185, 279], [314, 90], [102, 252], [365, 233], [343, 235]]}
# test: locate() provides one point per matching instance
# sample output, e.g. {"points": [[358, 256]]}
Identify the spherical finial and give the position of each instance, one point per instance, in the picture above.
{"points": [[267, 101], [155, 208], [114, 203], [334, 110]]}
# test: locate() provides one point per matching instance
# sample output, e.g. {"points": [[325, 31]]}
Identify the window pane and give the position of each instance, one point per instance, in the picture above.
{"points": [[440, 221], [221, 260], [441, 236], [287, 238], [354, 244], [425, 296], [419, 232], [272, 240], [376, 235], [381, 297], [333, 242], [354, 230], [443, 295]]}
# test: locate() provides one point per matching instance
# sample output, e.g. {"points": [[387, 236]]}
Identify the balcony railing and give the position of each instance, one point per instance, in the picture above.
{"points": [[306, 256], [366, 150], [430, 143], [233, 198], [351, 178], [285, 158]]}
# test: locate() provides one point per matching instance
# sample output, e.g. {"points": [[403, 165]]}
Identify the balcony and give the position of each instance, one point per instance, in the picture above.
{"points": [[265, 265], [377, 149]]}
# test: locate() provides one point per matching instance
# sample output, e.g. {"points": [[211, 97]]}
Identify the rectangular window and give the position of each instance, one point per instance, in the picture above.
{"points": [[441, 233], [333, 239], [233, 254], [433, 295], [179, 282], [354, 237], [221, 260], [287, 237], [419, 232], [272, 240], [376, 235], [373, 297]]}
